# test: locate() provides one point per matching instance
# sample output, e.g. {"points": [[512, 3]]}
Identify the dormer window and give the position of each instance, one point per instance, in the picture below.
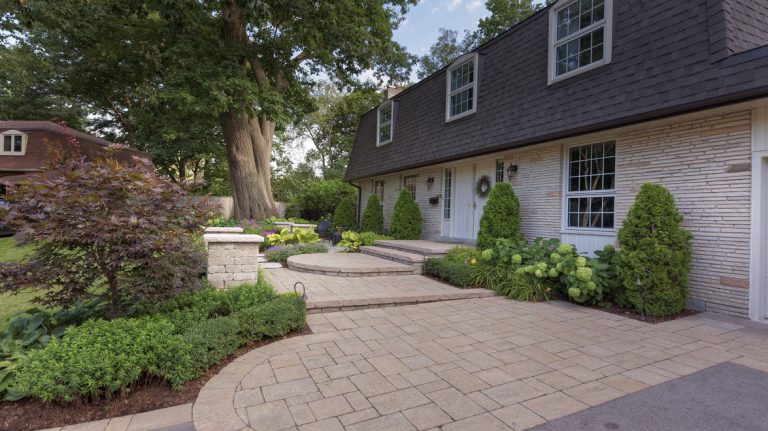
{"points": [[580, 36], [461, 87], [384, 135], [14, 143]]}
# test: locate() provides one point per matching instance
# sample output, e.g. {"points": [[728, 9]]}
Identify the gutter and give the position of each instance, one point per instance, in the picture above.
{"points": [[359, 200]]}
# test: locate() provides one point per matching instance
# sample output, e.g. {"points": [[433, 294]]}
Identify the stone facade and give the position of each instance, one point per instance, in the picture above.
{"points": [[703, 159], [232, 259]]}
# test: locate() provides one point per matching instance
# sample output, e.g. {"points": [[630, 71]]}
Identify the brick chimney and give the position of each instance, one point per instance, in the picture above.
{"points": [[391, 92]]}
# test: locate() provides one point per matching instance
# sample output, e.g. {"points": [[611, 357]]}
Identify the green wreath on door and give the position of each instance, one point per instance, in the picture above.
{"points": [[483, 187]]}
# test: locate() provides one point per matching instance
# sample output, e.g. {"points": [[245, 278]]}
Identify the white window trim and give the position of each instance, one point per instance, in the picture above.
{"points": [[605, 193], [13, 133], [391, 123], [472, 56], [607, 41], [446, 198]]}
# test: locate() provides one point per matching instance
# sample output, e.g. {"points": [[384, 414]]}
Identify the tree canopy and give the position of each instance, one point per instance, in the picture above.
{"points": [[241, 68]]}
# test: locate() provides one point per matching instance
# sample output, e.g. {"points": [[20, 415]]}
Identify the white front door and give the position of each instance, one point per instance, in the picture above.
{"points": [[487, 168], [463, 204]]}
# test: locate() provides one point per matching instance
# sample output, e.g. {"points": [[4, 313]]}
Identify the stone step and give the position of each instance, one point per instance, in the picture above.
{"points": [[349, 265], [393, 254], [424, 248]]}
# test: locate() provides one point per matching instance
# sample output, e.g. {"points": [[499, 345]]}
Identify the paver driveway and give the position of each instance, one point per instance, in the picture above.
{"points": [[476, 364]]}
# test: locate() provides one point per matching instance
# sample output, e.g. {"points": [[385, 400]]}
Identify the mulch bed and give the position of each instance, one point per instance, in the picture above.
{"points": [[632, 314], [33, 414]]}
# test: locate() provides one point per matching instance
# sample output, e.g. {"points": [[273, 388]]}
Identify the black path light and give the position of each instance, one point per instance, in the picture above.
{"points": [[303, 290]]}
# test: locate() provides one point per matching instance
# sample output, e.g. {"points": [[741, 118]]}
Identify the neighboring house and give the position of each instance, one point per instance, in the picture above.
{"points": [[577, 107], [26, 146]]}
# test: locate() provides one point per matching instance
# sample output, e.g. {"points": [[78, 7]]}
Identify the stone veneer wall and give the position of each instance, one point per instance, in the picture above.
{"points": [[704, 162], [232, 259]]}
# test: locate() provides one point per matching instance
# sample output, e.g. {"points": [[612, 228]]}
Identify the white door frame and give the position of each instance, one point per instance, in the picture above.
{"points": [[455, 191], [758, 283]]}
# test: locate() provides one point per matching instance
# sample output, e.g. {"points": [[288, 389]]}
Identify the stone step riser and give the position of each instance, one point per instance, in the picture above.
{"points": [[418, 268], [407, 250]]}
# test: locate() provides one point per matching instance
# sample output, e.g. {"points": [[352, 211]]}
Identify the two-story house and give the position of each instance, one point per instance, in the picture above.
{"points": [[27, 146], [577, 107]]}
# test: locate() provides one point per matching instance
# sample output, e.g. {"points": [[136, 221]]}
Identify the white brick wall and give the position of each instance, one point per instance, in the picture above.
{"points": [[704, 162]]}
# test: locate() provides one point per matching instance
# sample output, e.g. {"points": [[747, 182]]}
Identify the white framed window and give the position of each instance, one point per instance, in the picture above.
{"points": [[378, 189], [385, 124], [447, 188], [500, 171], [461, 87], [580, 37], [13, 143], [591, 187], [409, 182]]}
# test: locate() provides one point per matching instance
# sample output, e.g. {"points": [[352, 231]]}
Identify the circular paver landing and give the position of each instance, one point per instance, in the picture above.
{"points": [[348, 265]]}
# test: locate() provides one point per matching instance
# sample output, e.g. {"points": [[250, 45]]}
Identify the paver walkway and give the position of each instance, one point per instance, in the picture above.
{"points": [[329, 293], [479, 364]]}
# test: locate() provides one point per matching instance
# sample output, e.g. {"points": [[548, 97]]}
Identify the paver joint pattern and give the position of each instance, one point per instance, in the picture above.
{"points": [[475, 364]]}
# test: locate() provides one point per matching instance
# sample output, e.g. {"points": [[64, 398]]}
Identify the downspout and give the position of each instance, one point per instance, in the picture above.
{"points": [[359, 201]]}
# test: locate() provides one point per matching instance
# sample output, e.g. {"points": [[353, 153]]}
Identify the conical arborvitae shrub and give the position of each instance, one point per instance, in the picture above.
{"points": [[655, 253], [406, 217], [344, 216], [373, 216], [501, 217]]}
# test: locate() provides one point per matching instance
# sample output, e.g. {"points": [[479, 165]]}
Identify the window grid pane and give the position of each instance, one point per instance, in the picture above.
{"points": [[447, 195], [7, 143], [462, 101], [409, 183], [579, 15], [379, 191], [385, 124], [499, 171], [591, 168]]}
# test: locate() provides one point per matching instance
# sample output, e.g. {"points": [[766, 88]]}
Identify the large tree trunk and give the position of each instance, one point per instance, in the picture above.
{"points": [[249, 151]]}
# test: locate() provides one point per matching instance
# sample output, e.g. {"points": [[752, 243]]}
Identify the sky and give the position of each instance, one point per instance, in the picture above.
{"points": [[422, 22]]}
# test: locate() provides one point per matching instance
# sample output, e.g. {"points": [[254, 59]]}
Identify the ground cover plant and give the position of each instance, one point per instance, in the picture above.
{"points": [[281, 253], [352, 241], [171, 341], [456, 268], [118, 226]]}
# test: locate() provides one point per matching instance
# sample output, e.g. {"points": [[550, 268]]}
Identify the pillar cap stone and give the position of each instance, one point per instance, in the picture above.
{"points": [[216, 229], [230, 237]]}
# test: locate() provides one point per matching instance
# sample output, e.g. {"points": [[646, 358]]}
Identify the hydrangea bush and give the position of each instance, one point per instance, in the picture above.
{"points": [[545, 266]]}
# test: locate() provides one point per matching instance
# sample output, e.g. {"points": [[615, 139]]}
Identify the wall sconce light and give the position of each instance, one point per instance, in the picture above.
{"points": [[430, 182], [511, 171]]}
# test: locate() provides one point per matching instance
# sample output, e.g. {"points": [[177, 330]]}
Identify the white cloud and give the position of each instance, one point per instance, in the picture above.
{"points": [[453, 4], [474, 5]]}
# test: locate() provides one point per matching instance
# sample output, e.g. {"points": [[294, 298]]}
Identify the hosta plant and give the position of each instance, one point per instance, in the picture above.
{"points": [[297, 236]]}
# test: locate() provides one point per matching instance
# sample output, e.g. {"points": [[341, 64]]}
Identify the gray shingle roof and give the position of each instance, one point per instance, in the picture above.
{"points": [[666, 60]]}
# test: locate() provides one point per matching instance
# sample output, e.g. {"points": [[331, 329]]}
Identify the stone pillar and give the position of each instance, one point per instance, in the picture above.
{"points": [[233, 259]]}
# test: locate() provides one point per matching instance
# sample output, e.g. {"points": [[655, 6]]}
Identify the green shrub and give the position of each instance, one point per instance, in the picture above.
{"points": [[406, 217], [281, 253], [608, 260], [188, 309], [458, 274], [463, 254], [102, 357], [544, 264], [351, 241], [370, 238], [344, 215], [321, 197], [212, 340], [501, 217], [524, 287], [272, 319], [373, 216], [295, 236], [655, 253]]}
